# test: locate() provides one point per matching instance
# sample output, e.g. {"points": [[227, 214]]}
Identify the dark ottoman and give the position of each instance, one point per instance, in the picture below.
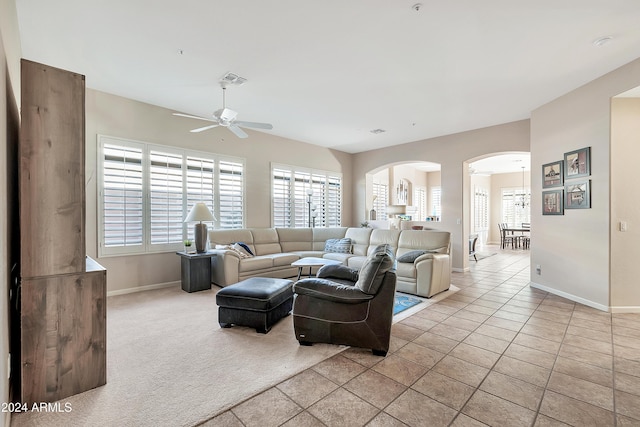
{"points": [[258, 302]]}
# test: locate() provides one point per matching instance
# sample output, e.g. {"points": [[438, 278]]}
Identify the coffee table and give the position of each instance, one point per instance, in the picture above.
{"points": [[312, 262]]}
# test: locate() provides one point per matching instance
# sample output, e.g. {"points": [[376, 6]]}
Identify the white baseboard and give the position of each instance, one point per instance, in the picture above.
{"points": [[460, 270], [142, 288], [571, 297]]}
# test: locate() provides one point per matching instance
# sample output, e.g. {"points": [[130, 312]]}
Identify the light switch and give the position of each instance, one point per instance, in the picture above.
{"points": [[623, 225]]}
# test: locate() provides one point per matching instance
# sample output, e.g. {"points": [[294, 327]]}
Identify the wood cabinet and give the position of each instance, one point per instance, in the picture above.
{"points": [[63, 292]]}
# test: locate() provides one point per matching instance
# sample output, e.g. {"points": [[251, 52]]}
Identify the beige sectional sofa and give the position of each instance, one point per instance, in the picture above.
{"points": [[275, 249]]}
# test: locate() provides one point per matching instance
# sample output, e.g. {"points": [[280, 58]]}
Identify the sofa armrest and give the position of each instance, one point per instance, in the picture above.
{"points": [[330, 291], [224, 267], [433, 274]]}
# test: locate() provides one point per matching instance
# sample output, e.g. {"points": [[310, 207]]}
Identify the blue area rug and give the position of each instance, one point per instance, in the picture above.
{"points": [[402, 302]]}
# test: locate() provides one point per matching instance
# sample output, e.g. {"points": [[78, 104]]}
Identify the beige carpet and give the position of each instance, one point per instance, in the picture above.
{"points": [[170, 364]]}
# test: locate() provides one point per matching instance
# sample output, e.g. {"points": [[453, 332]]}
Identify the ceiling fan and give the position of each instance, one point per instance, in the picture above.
{"points": [[227, 118]]}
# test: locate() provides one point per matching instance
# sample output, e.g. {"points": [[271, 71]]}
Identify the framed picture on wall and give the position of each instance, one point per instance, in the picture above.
{"points": [[552, 202], [552, 174], [578, 195], [577, 163]]}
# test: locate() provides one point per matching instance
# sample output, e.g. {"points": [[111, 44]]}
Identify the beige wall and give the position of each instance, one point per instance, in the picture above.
{"points": [[573, 250], [452, 152], [120, 117], [9, 99], [625, 252]]}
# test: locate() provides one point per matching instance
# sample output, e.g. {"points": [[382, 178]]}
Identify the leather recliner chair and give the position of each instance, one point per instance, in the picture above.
{"points": [[343, 306]]}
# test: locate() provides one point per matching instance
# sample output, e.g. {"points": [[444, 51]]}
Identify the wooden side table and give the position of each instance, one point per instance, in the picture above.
{"points": [[195, 271]]}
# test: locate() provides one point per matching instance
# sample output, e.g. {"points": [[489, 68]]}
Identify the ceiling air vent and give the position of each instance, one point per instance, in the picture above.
{"points": [[377, 131]]}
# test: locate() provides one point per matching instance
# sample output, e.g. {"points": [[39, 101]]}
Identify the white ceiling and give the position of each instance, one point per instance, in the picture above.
{"points": [[328, 72]]}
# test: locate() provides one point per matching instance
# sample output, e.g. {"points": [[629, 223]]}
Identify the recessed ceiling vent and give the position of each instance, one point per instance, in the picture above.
{"points": [[377, 131]]}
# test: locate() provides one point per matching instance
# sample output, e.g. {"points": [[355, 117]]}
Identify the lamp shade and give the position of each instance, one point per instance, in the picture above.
{"points": [[199, 212]]}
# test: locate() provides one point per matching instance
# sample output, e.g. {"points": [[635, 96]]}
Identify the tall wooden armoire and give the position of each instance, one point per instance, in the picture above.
{"points": [[63, 292]]}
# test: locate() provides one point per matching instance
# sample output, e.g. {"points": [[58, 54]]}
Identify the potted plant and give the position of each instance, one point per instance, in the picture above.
{"points": [[187, 245]]}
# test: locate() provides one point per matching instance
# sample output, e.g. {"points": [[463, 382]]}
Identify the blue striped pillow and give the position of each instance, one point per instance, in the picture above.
{"points": [[341, 246]]}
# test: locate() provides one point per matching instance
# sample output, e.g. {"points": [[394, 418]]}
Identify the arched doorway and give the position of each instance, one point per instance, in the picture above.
{"points": [[499, 191]]}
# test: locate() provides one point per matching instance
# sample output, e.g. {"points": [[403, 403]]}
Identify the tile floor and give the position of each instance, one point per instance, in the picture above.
{"points": [[495, 353]]}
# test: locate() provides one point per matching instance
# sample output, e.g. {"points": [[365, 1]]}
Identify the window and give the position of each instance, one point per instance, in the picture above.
{"points": [[292, 206], [147, 190], [420, 201], [381, 193], [436, 203], [514, 212], [480, 209]]}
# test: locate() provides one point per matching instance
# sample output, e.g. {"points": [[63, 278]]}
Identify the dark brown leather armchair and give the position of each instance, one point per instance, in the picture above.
{"points": [[343, 306]]}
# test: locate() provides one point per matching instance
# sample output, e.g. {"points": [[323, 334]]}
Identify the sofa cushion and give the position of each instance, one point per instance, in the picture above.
{"points": [[360, 239], [283, 259], [265, 241], [337, 257], [424, 240], [411, 256], [341, 246], [379, 261], [381, 236], [295, 239], [321, 234], [255, 263]]}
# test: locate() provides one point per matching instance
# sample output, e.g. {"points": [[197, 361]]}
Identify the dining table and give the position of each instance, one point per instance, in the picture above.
{"points": [[520, 230]]}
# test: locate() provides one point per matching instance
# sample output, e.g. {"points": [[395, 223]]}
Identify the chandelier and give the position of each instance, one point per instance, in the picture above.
{"points": [[523, 200]]}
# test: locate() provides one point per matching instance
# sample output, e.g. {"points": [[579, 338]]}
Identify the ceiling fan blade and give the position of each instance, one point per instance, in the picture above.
{"points": [[254, 125], [237, 131], [193, 117], [204, 128]]}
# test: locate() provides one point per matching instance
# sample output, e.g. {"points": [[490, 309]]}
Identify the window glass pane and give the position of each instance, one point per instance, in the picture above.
{"points": [[515, 206]]}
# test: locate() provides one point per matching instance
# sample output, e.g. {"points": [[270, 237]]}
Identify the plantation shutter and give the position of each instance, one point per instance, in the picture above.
{"points": [[300, 210], [281, 198], [333, 205], [381, 191], [122, 213], [291, 208], [200, 186], [165, 198], [231, 195]]}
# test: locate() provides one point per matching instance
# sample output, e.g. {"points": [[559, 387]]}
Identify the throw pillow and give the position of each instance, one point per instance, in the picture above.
{"points": [[411, 256], [233, 249], [245, 247], [341, 246], [374, 268], [239, 248]]}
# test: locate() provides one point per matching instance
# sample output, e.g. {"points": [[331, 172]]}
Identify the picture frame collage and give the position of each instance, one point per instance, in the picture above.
{"points": [[565, 189]]}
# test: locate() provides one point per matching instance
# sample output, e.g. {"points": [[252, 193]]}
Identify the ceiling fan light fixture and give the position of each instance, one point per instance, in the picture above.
{"points": [[232, 78]]}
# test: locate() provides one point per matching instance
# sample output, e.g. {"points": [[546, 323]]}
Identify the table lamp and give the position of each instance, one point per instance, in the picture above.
{"points": [[200, 212]]}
